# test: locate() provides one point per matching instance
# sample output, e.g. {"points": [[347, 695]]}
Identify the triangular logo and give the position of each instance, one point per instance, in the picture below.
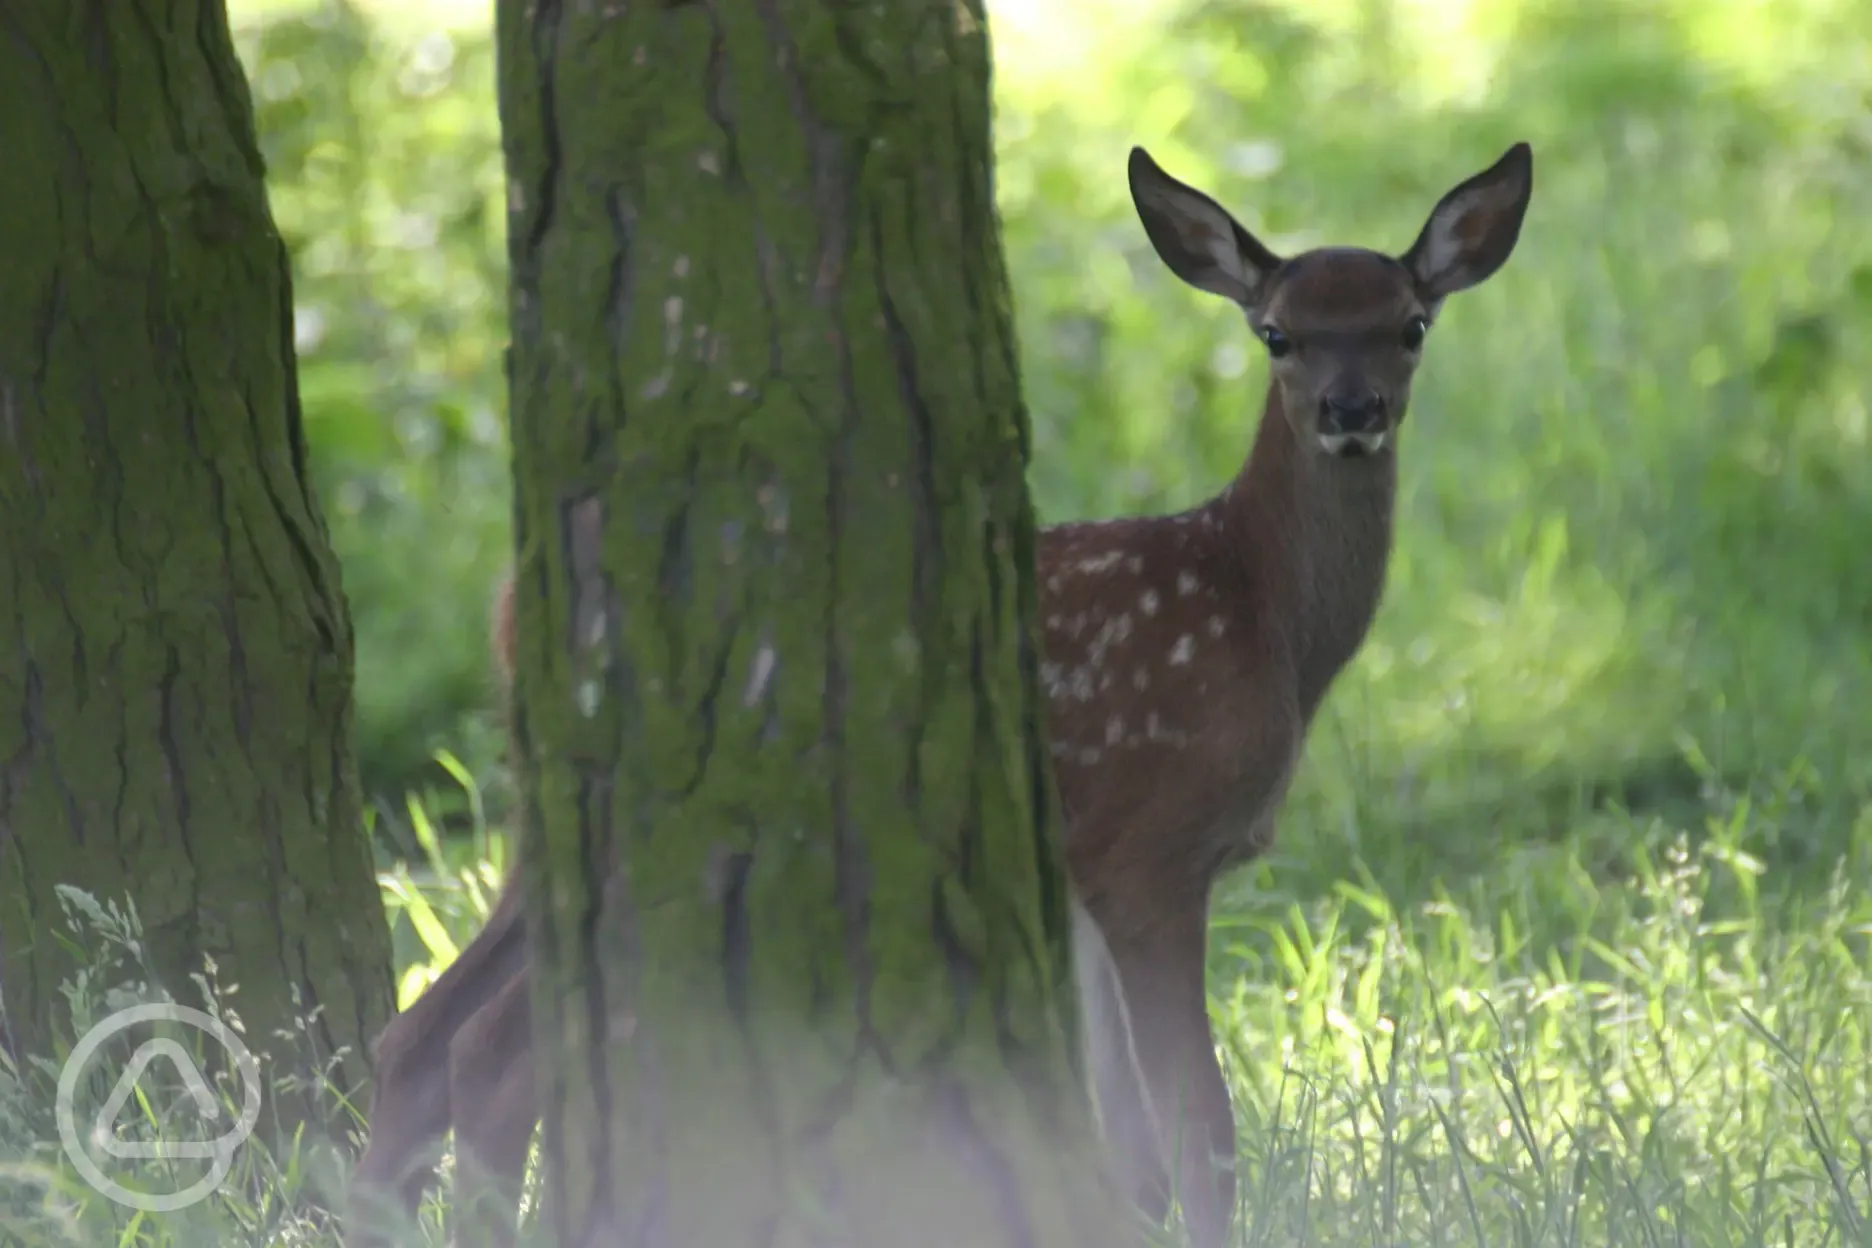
{"points": [[105, 1137]]}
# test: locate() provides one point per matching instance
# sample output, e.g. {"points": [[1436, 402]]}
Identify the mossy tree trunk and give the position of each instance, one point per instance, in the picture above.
{"points": [[797, 898], [175, 652]]}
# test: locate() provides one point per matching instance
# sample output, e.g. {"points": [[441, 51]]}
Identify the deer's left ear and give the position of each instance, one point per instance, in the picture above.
{"points": [[1473, 229]]}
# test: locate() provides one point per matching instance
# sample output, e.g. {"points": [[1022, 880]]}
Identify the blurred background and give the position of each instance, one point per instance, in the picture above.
{"points": [[1633, 567]]}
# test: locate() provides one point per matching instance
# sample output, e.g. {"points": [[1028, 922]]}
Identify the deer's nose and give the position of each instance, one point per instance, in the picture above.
{"points": [[1352, 412]]}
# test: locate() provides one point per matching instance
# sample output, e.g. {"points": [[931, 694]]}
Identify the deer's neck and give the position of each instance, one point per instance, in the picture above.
{"points": [[1313, 534]]}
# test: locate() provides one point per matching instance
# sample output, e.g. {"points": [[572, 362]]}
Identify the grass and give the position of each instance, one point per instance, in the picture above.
{"points": [[1686, 1068], [1688, 1062], [1567, 939]]}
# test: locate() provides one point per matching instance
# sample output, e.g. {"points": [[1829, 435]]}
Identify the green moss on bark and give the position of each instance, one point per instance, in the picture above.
{"points": [[175, 651], [775, 563]]}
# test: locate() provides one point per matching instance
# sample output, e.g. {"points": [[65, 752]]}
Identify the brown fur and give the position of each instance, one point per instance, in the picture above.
{"points": [[1184, 659]]}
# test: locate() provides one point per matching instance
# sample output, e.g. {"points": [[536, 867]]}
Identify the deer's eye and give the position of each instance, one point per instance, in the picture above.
{"points": [[1414, 331], [1277, 343]]}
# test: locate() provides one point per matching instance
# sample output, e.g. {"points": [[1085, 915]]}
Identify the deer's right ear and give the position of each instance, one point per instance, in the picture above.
{"points": [[1196, 236]]}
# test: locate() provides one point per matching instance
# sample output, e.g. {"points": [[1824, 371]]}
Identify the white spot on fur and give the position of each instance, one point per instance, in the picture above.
{"points": [[1181, 652], [1081, 682], [1217, 626], [1148, 603], [1114, 631], [1163, 734], [1134, 564], [1101, 563], [1114, 730], [1140, 679], [1088, 756], [1186, 584]]}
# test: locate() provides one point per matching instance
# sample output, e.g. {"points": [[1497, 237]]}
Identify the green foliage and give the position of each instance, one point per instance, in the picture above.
{"points": [[1636, 473], [1635, 486], [383, 160]]}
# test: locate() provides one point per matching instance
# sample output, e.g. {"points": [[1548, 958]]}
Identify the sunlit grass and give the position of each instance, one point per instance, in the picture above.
{"points": [[1679, 1055], [1679, 1070]]}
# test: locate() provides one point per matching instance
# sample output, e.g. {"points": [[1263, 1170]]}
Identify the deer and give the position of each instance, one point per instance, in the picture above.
{"points": [[1184, 658]]}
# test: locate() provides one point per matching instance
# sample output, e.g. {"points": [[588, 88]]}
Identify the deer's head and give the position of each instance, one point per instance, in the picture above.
{"points": [[1344, 327]]}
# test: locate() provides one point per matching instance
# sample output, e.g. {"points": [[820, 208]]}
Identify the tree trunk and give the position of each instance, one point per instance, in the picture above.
{"points": [[798, 903], [175, 652]]}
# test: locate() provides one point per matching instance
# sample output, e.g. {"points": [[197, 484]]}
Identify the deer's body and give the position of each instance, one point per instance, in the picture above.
{"points": [[1184, 657], [1186, 654]]}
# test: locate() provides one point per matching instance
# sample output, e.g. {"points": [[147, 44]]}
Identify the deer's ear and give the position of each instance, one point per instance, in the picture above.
{"points": [[1474, 227], [1196, 237]]}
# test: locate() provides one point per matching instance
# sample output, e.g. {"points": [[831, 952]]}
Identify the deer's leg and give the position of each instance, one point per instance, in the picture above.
{"points": [[409, 1115], [1160, 969], [1113, 1068], [411, 1102], [491, 1079]]}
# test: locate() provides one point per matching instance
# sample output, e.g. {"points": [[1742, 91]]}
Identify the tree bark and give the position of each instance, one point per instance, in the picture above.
{"points": [[798, 905], [175, 651]]}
